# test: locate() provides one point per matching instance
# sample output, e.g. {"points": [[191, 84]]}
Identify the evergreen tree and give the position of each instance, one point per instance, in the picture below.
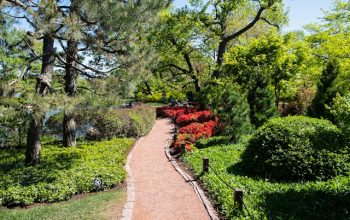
{"points": [[261, 100], [325, 94]]}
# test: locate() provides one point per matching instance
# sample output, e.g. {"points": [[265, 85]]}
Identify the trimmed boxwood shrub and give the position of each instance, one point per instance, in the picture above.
{"points": [[296, 148]]}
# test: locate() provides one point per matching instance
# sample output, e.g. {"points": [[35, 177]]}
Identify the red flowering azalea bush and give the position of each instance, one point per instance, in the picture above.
{"points": [[201, 116], [174, 112], [193, 125], [184, 139]]}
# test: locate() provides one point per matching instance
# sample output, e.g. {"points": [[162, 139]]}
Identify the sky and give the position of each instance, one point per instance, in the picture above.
{"points": [[301, 12]]}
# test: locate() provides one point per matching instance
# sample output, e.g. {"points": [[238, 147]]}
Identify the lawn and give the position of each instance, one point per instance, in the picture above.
{"points": [[102, 205], [63, 172], [265, 198]]}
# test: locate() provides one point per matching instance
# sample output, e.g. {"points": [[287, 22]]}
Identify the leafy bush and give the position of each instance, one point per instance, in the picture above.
{"points": [[263, 198], [63, 172], [341, 112], [296, 148]]}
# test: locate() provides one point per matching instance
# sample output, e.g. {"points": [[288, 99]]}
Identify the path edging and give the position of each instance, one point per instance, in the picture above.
{"points": [[198, 190], [130, 186]]}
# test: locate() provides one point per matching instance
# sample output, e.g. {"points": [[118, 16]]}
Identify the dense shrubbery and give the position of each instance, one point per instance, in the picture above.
{"points": [[108, 123], [296, 148], [62, 173]]}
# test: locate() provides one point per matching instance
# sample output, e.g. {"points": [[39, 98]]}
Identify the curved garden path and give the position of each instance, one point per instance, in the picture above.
{"points": [[160, 191]]}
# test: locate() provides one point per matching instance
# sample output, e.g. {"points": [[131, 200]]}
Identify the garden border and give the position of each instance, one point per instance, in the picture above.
{"points": [[195, 186]]}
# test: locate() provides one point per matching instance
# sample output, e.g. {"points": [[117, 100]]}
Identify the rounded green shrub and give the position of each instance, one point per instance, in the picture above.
{"points": [[296, 148]]}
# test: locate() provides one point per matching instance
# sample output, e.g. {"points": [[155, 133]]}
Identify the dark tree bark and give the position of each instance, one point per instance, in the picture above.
{"points": [[33, 142], [225, 39], [70, 87], [43, 87], [69, 130], [43, 84]]}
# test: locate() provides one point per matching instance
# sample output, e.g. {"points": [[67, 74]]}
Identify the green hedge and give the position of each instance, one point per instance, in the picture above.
{"points": [[133, 122], [296, 148], [108, 123], [62, 173]]}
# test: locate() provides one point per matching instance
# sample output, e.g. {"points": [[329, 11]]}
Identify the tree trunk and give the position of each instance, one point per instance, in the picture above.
{"points": [[220, 58], [33, 142], [43, 87], [69, 130], [70, 87], [43, 84]]}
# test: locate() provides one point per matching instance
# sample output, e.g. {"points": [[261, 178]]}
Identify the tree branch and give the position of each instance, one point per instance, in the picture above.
{"points": [[246, 28]]}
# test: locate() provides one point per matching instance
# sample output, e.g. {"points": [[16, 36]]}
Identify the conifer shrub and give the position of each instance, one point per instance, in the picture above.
{"points": [[296, 148], [230, 105]]}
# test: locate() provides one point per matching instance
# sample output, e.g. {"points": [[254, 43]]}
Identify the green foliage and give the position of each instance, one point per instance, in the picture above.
{"points": [[230, 105], [261, 100], [341, 112], [13, 126], [266, 199], [296, 148], [212, 141], [63, 172], [108, 123], [325, 93]]}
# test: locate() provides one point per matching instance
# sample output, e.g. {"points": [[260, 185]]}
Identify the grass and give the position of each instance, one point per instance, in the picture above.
{"points": [[266, 199], [63, 172], [102, 205]]}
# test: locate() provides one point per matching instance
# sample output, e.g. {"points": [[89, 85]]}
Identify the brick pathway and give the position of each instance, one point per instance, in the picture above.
{"points": [[160, 192]]}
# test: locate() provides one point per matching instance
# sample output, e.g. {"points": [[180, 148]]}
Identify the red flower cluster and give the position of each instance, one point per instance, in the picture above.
{"points": [[193, 124], [201, 116], [173, 112]]}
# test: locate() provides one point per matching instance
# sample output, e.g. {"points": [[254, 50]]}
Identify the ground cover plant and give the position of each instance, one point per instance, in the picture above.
{"points": [[63, 172], [264, 198]]}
